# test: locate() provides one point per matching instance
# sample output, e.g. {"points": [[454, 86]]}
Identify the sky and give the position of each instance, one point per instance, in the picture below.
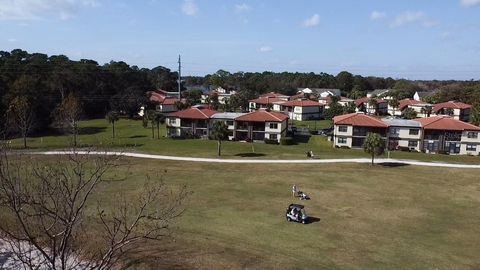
{"points": [[413, 39]]}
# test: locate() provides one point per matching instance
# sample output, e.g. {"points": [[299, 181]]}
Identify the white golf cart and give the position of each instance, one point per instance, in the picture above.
{"points": [[296, 212]]}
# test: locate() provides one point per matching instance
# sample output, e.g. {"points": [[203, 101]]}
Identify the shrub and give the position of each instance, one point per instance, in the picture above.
{"points": [[269, 141], [286, 141], [443, 152], [344, 147], [404, 149]]}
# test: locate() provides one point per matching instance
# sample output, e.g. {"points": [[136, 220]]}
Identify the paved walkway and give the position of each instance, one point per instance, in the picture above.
{"points": [[272, 161]]}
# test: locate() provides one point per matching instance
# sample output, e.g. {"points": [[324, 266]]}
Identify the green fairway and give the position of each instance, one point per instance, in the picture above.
{"points": [[132, 136], [368, 217]]}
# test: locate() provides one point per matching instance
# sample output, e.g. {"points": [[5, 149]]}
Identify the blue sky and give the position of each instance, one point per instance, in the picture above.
{"points": [[415, 39]]}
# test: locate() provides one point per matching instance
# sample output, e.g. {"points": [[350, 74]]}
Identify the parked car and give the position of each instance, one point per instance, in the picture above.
{"points": [[296, 212]]}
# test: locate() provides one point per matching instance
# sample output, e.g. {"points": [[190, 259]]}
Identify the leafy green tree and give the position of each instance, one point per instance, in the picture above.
{"points": [[409, 113], [21, 116], [394, 103], [181, 106], [112, 117], [475, 115], [345, 81], [219, 132], [193, 97], [374, 145], [372, 105], [213, 102], [349, 108], [449, 111], [426, 111], [335, 109]]}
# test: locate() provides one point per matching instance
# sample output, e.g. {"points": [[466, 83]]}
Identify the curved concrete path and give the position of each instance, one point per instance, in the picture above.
{"points": [[269, 161]]}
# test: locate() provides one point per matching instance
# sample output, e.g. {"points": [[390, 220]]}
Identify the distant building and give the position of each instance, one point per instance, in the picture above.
{"points": [[421, 95], [379, 93], [320, 92], [363, 105], [408, 103], [350, 130], [163, 102], [222, 94], [457, 110], [300, 109], [193, 122], [444, 133]]}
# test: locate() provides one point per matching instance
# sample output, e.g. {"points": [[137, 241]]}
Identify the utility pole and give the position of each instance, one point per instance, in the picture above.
{"points": [[179, 77]]}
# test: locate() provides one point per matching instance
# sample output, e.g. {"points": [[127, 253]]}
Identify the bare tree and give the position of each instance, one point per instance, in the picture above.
{"points": [[68, 114], [20, 115], [48, 221]]}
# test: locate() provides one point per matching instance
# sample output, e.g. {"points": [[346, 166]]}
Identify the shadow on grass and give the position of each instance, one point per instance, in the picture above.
{"points": [[133, 145], [250, 155], [90, 130], [313, 220], [393, 164], [298, 139], [138, 136]]}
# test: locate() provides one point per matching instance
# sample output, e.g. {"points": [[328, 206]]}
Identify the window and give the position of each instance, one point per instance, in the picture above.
{"points": [[173, 121], [273, 136], [472, 135], [342, 128], [412, 143], [395, 131], [342, 140], [413, 131], [471, 147], [273, 125], [229, 123]]}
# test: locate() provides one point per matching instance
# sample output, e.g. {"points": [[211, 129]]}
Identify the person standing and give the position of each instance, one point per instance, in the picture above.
{"points": [[294, 190]]}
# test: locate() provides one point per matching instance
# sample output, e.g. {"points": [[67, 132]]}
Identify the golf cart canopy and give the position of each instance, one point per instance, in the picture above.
{"points": [[298, 206]]}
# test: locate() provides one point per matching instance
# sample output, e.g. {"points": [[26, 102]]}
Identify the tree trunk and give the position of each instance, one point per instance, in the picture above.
{"points": [[153, 130], [219, 148], [25, 140], [113, 126], [158, 130], [373, 158]]}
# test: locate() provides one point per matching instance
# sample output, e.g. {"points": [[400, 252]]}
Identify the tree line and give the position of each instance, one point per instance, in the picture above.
{"points": [[34, 85]]}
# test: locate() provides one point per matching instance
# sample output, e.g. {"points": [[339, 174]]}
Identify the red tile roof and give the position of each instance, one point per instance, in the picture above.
{"points": [[265, 101], [328, 99], [358, 119], [363, 100], [451, 105], [443, 122], [407, 102], [302, 103], [262, 116], [197, 112], [273, 95], [159, 98]]}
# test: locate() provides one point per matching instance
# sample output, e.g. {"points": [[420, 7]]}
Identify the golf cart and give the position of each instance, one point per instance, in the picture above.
{"points": [[295, 212]]}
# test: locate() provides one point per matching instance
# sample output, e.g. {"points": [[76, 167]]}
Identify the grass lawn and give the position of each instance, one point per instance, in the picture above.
{"points": [[370, 217], [131, 136], [312, 125]]}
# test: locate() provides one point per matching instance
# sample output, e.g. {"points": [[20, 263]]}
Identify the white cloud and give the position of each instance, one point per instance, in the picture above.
{"points": [[265, 49], [469, 3], [40, 9], [408, 18], [242, 8], [377, 15], [12, 40], [189, 8], [312, 21]]}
